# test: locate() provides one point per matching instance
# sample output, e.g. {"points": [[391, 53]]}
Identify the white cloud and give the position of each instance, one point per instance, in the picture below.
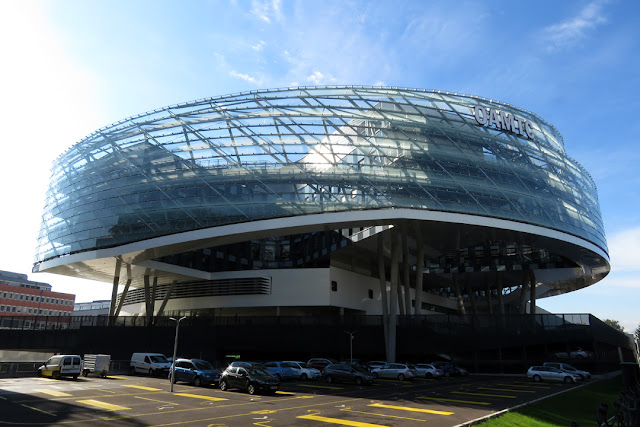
{"points": [[245, 77], [259, 46], [267, 10], [570, 32], [624, 247], [317, 78]]}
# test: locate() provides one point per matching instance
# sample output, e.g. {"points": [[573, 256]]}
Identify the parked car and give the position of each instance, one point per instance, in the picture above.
{"points": [[339, 372], [64, 365], [149, 363], [565, 367], [96, 363], [251, 379], [320, 363], [398, 371], [376, 364], [280, 370], [449, 369], [427, 370], [356, 362], [195, 371], [237, 363], [548, 373], [304, 371], [574, 353]]}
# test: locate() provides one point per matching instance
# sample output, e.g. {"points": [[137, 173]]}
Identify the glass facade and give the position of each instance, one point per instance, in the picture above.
{"points": [[287, 152]]}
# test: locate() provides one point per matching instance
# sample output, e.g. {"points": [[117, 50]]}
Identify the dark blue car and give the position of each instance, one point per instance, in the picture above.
{"points": [[195, 371]]}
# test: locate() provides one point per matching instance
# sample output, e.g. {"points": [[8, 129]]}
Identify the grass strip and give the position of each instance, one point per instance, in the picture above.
{"points": [[580, 405]]}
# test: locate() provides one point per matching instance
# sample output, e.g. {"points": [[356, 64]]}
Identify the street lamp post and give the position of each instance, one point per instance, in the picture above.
{"points": [[175, 350], [351, 334]]}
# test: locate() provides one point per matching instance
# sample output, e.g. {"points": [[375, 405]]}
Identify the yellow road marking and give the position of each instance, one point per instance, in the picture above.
{"points": [[321, 386], [199, 396], [39, 410], [404, 408], [142, 387], [506, 389], [156, 400], [51, 392], [383, 415], [286, 393], [46, 379], [454, 400], [339, 421], [483, 394], [115, 377], [103, 405]]}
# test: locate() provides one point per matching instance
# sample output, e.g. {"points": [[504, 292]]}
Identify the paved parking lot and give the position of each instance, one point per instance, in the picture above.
{"points": [[142, 401]]}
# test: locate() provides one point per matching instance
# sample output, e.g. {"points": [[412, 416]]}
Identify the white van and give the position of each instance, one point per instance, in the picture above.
{"points": [[149, 363], [63, 365]]}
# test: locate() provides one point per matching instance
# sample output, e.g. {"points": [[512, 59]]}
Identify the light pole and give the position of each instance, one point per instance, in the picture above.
{"points": [[351, 334], [175, 350]]}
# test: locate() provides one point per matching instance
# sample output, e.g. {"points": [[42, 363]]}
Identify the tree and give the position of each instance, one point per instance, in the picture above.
{"points": [[614, 324]]}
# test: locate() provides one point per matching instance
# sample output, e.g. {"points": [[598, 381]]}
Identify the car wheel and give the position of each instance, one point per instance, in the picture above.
{"points": [[375, 374], [85, 372], [304, 377], [329, 379], [132, 370], [401, 377], [428, 375], [150, 372], [75, 377], [568, 380], [197, 381], [251, 389], [223, 385], [358, 381], [537, 378], [55, 375]]}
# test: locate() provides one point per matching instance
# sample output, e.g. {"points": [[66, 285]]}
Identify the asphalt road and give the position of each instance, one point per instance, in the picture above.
{"points": [[142, 401]]}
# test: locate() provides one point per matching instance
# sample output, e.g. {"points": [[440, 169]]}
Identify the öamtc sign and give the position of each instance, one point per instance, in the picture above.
{"points": [[502, 120]]}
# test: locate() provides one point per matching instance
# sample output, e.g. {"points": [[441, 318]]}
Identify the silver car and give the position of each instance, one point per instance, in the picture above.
{"points": [[427, 370], [394, 371], [548, 373]]}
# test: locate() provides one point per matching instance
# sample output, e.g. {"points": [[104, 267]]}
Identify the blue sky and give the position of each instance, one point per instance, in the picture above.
{"points": [[70, 67]]}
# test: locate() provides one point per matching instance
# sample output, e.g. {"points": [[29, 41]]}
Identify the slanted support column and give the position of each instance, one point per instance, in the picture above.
{"points": [[124, 293], [406, 278], [532, 293], [148, 302], [524, 292], [419, 274], [393, 301], [383, 289], [500, 296], [487, 291], [472, 297], [454, 278], [166, 298], [114, 291]]}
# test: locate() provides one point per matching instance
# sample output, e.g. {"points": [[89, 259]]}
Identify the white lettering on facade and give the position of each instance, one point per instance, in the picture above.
{"points": [[502, 120]]}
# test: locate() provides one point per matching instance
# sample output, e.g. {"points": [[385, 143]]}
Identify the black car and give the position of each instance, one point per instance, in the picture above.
{"points": [[344, 373], [251, 379]]}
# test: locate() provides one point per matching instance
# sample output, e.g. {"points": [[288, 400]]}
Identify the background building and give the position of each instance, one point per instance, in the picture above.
{"points": [[93, 308], [325, 201], [22, 297]]}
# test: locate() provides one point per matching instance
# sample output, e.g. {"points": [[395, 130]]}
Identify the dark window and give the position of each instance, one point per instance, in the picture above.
{"points": [[370, 293], [334, 286]]}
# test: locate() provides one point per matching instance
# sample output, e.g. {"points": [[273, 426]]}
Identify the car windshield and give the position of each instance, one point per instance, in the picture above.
{"points": [[569, 368], [257, 371], [203, 365], [359, 369], [159, 359]]}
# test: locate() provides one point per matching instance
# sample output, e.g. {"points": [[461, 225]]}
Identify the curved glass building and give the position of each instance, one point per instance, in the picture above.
{"points": [[325, 200]]}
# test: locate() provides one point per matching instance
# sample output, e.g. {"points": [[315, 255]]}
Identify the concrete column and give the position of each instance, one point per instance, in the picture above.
{"points": [[472, 297], [454, 278], [383, 288], [166, 298], [124, 292], [400, 296], [114, 291], [487, 291], [393, 303], [406, 279], [532, 293], [524, 292], [500, 296], [419, 278]]}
